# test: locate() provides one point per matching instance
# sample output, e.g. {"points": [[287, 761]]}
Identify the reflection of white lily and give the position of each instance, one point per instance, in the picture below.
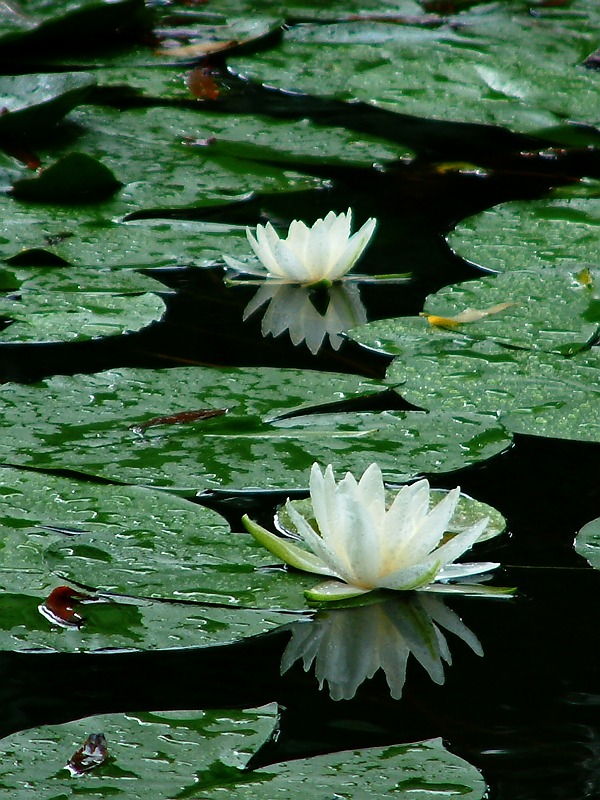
{"points": [[291, 308], [324, 252], [348, 646], [365, 545]]}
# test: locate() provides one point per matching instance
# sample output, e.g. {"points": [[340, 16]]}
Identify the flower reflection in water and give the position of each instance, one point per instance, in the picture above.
{"points": [[309, 314], [348, 646]]}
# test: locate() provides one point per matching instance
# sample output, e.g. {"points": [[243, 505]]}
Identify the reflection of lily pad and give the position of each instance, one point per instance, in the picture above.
{"points": [[467, 513], [537, 393], [521, 235], [93, 423], [547, 310], [58, 316], [205, 753]]}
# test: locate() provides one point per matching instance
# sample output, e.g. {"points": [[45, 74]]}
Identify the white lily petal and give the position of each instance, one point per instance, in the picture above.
{"points": [[461, 542], [371, 494], [290, 264], [262, 249], [321, 496], [353, 250], [298, 238], [337, 568], [318, 251], [432, 529], [357, 539], [464, 569]]}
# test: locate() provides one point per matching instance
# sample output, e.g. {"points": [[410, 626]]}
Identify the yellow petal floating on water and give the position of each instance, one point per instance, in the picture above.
{"points": [[584, 277], [468, 315]]}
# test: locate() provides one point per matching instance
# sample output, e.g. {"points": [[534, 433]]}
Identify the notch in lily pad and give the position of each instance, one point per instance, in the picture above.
{"points": [[75, 178]]}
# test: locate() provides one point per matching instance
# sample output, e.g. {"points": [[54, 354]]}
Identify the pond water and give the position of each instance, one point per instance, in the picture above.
{"points": [[150, 401]]}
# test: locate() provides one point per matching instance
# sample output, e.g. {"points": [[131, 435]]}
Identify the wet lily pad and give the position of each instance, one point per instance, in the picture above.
{"points": [[122, 425], [533, 392], [89, 240], [74, 178], [158, 157], [478, 67], [587, 543], [52, 23], [541, 233], [107, 538], [68, 279], [33, 102], [75, 316], [539, 310], [179, 753]]}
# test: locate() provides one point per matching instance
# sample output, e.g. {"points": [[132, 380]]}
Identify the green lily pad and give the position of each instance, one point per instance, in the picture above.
{"points": [[467, 513], [50, 24], [248, 135], [541, 233], [58, 280], [75, 316], [107, 538], [532, 392], [158, 157], [587, 543], [33, 102], [124, 624], [182, 753], [33, 233], [74, 178], [120, 425], [158, 753], [547, 310], [486, 68]]}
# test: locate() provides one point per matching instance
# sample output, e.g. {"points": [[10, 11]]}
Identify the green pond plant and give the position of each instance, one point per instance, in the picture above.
{"points": [[365, 545], [323, 253]]}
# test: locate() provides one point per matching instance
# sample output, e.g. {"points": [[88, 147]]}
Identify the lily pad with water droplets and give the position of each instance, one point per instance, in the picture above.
{"points": [[525, 235], [533, 309], [134, 542], [532, 392], [126, 425], [75, 316], [31, 103], [184, 753]]}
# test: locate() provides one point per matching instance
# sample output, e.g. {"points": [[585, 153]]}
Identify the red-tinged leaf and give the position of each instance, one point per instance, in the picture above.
{"points": [[60, 607], [179, 419], [202, 85], [93, 753]]}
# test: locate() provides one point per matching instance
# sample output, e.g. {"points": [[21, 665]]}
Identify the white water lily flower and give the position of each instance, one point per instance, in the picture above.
{"points": [[364, 545], [325, 252]]}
